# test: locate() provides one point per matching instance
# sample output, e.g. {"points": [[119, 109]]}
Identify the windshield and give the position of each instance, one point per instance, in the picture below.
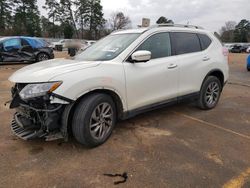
{"points": [[107, 48]]}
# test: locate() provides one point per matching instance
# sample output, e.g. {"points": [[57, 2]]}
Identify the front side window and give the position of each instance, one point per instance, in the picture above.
{"points": [[107, 48], [185, 43], [12, 44], [158, 44]]}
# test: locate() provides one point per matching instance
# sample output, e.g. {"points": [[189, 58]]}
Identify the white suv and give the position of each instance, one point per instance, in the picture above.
{"points": [[120, 76]]}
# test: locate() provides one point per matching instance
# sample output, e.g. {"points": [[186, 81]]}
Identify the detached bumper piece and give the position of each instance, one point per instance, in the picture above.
{"points": [[19, 129]]}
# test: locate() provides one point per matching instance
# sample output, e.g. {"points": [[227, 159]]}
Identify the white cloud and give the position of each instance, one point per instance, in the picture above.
{"points": [[209, 14]]}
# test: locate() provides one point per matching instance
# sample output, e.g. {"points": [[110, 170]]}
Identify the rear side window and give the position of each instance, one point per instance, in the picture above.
{"points": [[205, 41], [158, 44], [185, 43]]}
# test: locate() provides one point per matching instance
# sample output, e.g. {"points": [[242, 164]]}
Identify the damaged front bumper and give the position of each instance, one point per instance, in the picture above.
{"points": [[23, 132], [40, 117]]}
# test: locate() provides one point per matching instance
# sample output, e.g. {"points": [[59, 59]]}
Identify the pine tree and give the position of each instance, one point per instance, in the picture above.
{"points": [[67, 15], [95, 18], [81, 13], [27, 18], [242, 31], [5, 16], [52, 6]]}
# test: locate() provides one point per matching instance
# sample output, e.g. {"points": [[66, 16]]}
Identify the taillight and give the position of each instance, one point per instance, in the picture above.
{"points": [[225, 52]]}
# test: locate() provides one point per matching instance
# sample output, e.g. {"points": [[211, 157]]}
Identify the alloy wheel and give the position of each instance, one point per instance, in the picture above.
{"points": [[101, 121], [43, 57], [212, 93]]}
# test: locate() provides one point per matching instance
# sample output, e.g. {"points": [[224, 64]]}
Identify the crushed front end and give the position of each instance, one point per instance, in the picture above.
{"points": [[37, 114]]}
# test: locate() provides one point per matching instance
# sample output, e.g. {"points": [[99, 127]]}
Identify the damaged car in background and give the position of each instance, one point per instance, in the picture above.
{"points": [[118, 77], [24, 49]]}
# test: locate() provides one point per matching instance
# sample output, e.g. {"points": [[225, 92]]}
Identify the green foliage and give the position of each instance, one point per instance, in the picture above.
{"points": [[242, 31], [94, 18], [227, 36], [164, 20], [68, 30], [5, 16], [52, 6], [49, 29], [26, 18], [67, 15], [233, 32], [81, 14]]}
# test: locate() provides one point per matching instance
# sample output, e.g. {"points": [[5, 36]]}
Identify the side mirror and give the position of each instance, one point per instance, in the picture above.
{"points": [[141, 56]]}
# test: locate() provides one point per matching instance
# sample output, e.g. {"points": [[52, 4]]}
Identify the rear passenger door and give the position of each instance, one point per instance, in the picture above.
{"points": [[27, 51], [193, 61]]}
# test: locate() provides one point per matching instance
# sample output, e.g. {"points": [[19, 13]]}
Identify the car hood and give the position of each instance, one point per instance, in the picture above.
{"points": [[46, 70]]}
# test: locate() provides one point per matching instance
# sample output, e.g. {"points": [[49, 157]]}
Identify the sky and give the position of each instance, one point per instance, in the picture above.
{"points": [[210, 14]]}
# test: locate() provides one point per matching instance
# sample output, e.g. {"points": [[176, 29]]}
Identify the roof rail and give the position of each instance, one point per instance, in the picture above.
{"points": [[176, 25]]}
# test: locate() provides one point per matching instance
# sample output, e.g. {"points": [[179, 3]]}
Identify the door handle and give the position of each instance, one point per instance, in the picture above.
{"points": [[172, 66], [205, 58]]}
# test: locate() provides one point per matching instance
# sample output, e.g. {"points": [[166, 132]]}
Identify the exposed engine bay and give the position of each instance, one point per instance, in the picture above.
{"points": [[36, 117]]}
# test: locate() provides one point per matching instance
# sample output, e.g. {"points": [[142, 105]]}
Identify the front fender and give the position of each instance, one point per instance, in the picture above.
{"points": [[76, 84]]}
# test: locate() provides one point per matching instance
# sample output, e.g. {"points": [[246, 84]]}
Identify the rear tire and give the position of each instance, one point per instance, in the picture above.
{"points": [[94, 120], [210, 93], [248, 68], [42, 57]]}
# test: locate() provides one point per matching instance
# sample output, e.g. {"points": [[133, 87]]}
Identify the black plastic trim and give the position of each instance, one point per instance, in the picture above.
{"points": [[62, 98], [210, 72], [132, 113]]}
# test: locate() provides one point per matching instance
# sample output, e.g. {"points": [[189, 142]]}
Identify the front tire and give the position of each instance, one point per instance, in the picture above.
{"points": [[94, 120], [210, 93]]}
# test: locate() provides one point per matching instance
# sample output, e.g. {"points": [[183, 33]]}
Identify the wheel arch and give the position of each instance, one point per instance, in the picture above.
{"points": [[41, 52], [70, 109], [217, 73]]}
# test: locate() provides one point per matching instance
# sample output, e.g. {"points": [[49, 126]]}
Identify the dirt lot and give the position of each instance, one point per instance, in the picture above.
{"points": [[179, 146]]}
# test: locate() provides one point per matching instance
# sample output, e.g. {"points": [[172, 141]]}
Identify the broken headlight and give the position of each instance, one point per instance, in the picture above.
{"points": [[38, 90]]}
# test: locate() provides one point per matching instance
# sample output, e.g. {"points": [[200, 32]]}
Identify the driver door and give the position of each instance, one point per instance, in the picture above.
{"points": [[155, 81]]}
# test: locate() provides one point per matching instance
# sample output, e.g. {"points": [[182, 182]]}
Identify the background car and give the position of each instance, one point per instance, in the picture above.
{"points": [[24, 49], [248, 50], [239, 48], [60, 45], [87, 43], [228, 46], [248, 63]]}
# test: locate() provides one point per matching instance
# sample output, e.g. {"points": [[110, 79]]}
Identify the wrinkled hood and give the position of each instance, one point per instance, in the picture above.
{"points": [[46, 70]]}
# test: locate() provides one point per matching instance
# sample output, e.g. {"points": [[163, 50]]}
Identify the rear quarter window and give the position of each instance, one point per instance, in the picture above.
{"points": [[205, 41], [184, 43]]}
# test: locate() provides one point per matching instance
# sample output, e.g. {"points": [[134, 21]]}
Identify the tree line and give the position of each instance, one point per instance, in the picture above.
{"points": [[65, 18], [82, 19], [236, 32]]}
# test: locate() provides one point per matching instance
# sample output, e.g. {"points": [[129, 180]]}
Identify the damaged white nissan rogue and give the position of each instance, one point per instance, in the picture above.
{"points": [[120, 76]]}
